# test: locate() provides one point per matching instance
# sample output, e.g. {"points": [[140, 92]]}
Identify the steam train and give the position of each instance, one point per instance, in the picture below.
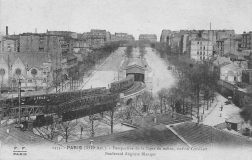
{"points": [[57, 98], [121, 85], [52, 98]]}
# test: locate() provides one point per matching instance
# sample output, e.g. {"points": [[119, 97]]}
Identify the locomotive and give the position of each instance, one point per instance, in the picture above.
{"points": [[121, 85]]}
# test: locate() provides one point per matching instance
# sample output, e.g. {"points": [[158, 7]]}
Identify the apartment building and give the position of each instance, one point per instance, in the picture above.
{"points": [[150, 37], [200, 49]]}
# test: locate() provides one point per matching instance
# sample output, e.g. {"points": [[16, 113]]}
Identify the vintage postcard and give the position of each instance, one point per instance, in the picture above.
{"points": [[125, 79]]}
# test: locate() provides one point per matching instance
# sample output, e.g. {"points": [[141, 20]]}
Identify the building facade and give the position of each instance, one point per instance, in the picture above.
{"points": [[246, 41], [30, 69], [9, 44], [164, 38], [200, 49], [122, 37], [150, 37], [231, 73], [30, 42], [226, 45], [96, 38]]}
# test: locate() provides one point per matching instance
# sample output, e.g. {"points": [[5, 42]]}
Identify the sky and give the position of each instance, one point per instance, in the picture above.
{"points": [[127, 16]]}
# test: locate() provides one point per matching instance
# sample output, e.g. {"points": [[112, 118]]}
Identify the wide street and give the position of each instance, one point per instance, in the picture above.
{"points": [[107, 72], [159, 76]]}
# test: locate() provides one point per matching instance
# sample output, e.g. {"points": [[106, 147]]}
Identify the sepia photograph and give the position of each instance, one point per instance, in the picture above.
{"points": [[125, 79]]}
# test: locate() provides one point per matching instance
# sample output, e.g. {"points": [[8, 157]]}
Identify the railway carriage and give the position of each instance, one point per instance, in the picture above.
{"points": [[121, 85]]}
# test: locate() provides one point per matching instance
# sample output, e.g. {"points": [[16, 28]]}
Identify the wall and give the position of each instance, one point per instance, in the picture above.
{"points": [[228, 74], [4, 66], [9, 45], [203, 49]]}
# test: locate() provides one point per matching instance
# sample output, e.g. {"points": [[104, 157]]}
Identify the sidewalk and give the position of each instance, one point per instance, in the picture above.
{"points": [[214, 115], [86, 80]]}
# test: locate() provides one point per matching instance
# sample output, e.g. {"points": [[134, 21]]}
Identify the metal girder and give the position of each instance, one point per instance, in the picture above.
{"points": [[75, 104], [10, 113], [51, 99], [87, 102]]}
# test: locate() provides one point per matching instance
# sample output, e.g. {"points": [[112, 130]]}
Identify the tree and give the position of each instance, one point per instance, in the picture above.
{"points": [[162, 94], [112, 117], [129, 51], [142, 51], [67, 129], [147, 100], [246, 112], [91, 123]]}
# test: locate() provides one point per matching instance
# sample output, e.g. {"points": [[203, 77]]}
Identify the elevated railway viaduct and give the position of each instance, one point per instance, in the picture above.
{"points": [[69, 105]]}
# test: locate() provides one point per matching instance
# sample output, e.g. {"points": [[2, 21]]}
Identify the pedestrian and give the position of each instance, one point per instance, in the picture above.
{"points": [[221, 107]]}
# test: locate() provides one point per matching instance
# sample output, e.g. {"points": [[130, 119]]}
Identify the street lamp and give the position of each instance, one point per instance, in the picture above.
{"points": [[19, 104], [19, 100]]}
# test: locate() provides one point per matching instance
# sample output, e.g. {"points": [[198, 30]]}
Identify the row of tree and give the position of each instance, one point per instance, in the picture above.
{"points": [[128, 51], [204, 85], [195, 83], [89, 126]]}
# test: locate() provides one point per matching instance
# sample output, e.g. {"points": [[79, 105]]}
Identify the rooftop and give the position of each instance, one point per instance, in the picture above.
{"points": [[32, 59], [221, 60], [134, 61], [70, 56], [235, 119], [154, 136], [166, 118], [182, 134], [206, 136]]}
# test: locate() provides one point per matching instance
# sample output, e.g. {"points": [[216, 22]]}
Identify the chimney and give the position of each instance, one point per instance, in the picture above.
{"points": [[7, 31], [35, 30]]}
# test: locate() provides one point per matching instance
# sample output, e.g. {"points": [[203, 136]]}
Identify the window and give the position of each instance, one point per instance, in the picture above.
{"points": [[29, 80], [34, 72], [204, 53], [198, 43], [200, 53], [197, 52], [18, 71], [204, 47]]}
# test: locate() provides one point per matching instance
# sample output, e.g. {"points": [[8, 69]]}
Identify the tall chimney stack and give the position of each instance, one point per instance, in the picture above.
{"points": [[7, 31], [35, 30]]}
